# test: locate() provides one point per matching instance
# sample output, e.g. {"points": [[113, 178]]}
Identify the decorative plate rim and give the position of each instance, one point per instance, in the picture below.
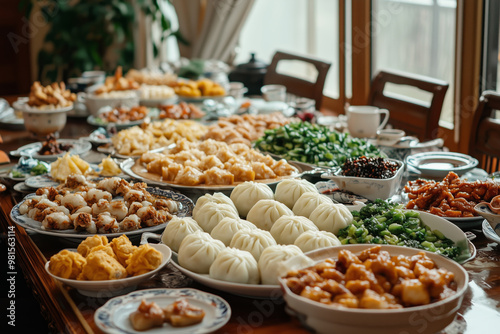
{"points": [[103, 315]]}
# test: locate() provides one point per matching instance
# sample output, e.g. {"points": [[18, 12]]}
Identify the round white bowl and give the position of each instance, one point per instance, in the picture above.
{"points": [[115, 287], [42, 121], [95, 102], [429, 318], [369, 188]]}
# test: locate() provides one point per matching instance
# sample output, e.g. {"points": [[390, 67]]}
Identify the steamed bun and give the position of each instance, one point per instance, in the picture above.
{"points": [[289, 191], [66, 264], [331, 217], [288, 228], [311, 240], [227, 227], [266, 211], [235, 265], [144, 259], [252, 240], [309, 201], [246, 194], [177, 229], [198, 251], [216, 198], [211, 213], [271, 257]]}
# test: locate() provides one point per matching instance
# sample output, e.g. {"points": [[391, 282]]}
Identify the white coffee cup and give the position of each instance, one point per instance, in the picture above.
{"points": [[274, 92], [364, 121]]}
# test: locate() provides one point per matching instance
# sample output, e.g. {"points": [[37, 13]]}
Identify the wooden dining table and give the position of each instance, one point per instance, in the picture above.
{"points": [[67, 311]]}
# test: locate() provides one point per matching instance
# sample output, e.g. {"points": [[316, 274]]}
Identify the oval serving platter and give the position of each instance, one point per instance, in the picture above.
{"points": [[185, 210]]}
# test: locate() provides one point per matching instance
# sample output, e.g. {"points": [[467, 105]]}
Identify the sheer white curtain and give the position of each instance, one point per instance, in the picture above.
{"points": [[212, 27]]}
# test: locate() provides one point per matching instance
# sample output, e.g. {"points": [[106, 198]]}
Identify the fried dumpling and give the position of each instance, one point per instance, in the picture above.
{"points": [[123, 248], [144, 259], [91, 242], [101, 266], [66, 264]]}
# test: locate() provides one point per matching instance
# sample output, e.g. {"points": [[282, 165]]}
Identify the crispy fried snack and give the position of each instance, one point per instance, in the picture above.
{"points": [[91, 242], [144, 259], [101, 266], [67, 264], [117, 82], [202, 87], [123, 249], [52, 96], [103, 248]]}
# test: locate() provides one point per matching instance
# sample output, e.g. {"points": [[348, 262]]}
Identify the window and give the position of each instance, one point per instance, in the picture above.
{"points": [[299, 26], [491, 52], [416, 36]]}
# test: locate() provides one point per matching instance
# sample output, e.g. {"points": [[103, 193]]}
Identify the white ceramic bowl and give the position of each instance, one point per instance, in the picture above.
{"points": [[493, 219], [368, 187], [94, 103], [389, 137], [429, 318], [116, 287], [42, 121]]}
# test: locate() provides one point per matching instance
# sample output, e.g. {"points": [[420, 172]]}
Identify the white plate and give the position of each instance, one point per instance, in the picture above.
{"points": [[126, 167], [109, 288], [185, 210], [79, 147], [40, 181], [113, 317], [245, 290], [9, 120], [489, 233], [439, 164]]}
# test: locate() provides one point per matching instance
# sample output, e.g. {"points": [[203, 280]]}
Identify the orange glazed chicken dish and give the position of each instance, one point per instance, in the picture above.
{"points": [[373, 280]]}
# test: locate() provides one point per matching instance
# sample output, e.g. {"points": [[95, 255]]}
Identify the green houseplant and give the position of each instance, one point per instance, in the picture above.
{"points": [[83, 33]]}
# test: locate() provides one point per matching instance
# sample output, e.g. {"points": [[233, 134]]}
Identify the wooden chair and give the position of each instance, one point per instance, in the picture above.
{"points": [[406, 113], [484, 143], [296, 86]]}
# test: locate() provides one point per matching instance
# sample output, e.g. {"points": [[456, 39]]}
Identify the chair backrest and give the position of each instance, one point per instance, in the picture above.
{"points": [[411, 115], [484, 143], [298, 86]]}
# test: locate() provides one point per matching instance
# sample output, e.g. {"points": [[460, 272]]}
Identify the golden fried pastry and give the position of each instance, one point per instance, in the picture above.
{"points": [[122, 248], [91, 242], [66, 264], [103, 248], [101, 266], [144, 259]]}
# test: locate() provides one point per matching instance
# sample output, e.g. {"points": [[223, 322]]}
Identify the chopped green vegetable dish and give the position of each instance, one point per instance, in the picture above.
{"points": [[314, 144], [385, 222], [39, 169]]}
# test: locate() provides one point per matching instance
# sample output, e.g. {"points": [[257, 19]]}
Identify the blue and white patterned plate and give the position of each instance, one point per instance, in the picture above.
{"points": [[186, 206], [113, 317], [40, 181]]}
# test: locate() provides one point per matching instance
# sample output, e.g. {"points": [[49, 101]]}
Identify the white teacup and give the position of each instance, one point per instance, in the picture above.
{"points": [[274, 92], [364, 121]]}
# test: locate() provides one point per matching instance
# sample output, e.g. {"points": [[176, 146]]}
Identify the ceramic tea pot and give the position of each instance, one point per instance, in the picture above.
{"points": [[251, 74]]}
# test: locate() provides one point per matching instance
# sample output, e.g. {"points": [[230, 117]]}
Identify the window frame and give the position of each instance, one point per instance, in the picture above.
{"points": [[469, 29]]}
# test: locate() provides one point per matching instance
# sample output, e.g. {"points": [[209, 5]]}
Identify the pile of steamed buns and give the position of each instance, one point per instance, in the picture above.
{"points": [[278, 226]]}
